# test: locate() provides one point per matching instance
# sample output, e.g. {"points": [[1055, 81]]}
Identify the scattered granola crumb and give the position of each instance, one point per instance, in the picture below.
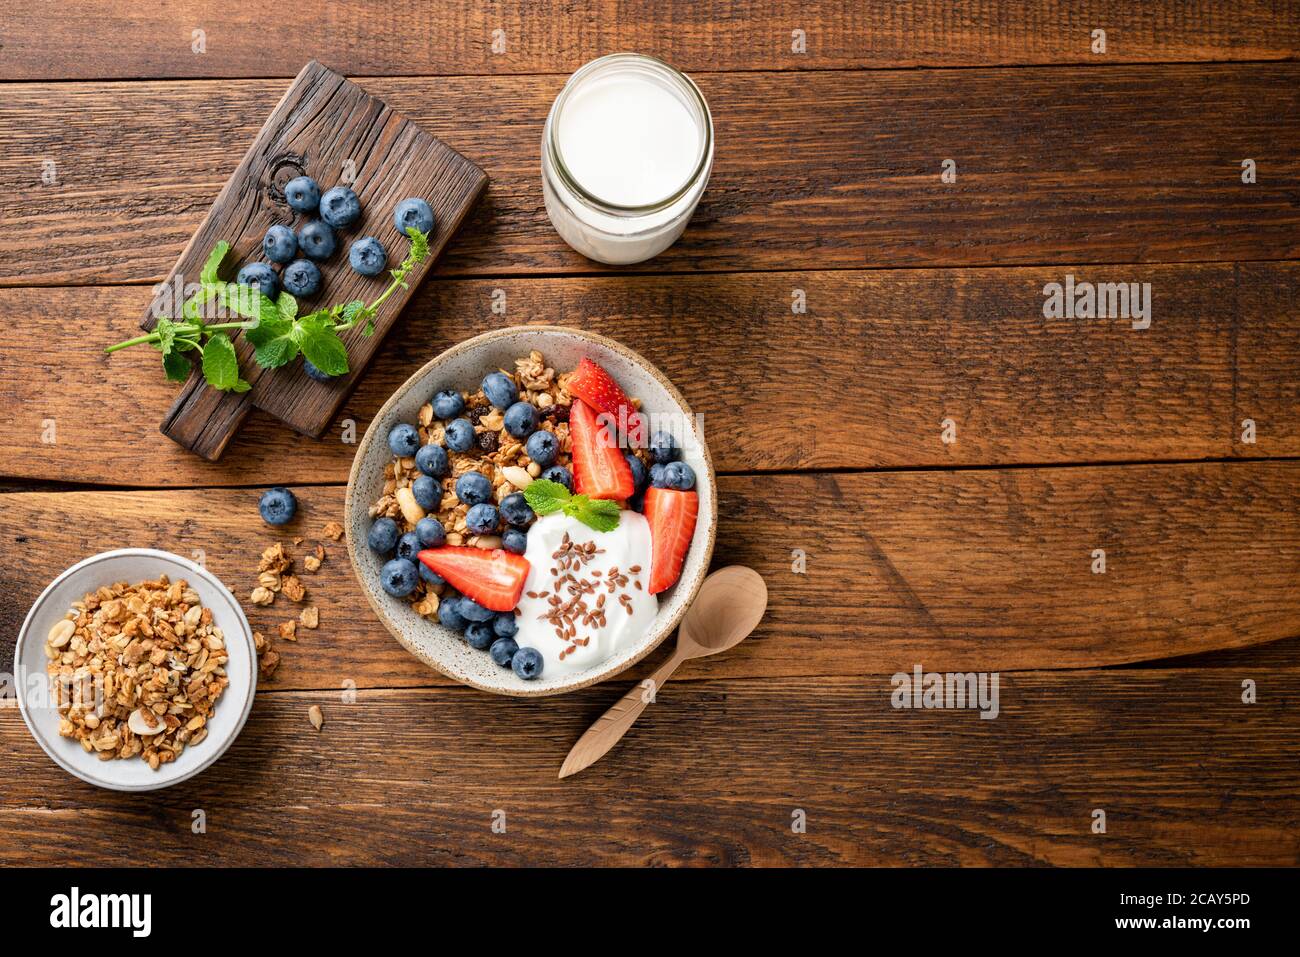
{"points": [[293, 589], [261, 596], [310, 616], [269, 662], [333, 531], [315, 717], [311, 563], [289, 630]]}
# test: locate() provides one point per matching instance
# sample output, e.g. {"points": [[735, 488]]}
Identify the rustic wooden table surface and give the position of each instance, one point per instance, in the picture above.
{"points": [[1120, 692]]}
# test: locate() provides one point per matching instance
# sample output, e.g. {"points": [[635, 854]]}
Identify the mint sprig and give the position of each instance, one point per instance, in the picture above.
{"points": [[545, 497], [273, 327]]}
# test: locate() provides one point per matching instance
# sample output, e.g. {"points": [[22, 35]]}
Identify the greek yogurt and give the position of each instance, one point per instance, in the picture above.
{"points": [[586, 596]]}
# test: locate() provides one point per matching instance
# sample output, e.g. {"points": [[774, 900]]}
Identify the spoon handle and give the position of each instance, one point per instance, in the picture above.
{"points": [[613, 724]]}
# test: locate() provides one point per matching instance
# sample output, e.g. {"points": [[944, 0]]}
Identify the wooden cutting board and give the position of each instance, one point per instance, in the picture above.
{"points": [[332, 130]]}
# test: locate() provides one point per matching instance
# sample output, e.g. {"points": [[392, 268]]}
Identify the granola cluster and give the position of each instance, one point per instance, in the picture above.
{"points": [[275, 577], [136, 670]]}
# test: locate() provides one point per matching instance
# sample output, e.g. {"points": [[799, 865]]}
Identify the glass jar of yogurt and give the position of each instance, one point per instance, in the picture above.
{"points": [[626, 153]]}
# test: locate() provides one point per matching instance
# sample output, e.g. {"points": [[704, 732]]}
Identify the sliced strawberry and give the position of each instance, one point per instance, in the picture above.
{"points": [[671, 515], [599, 469], [596, 387], [492, 577]]}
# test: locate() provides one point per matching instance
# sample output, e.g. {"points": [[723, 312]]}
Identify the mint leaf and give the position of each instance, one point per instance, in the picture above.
{"points": [[176, 366], [324, 349], [276, 342], [208, 274], [544, 496], [287, 306], [220, 365], [599, 513], [166, 330]]}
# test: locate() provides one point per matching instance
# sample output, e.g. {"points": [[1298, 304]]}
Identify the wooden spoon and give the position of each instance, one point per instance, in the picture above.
{"points": [[729, 606]]}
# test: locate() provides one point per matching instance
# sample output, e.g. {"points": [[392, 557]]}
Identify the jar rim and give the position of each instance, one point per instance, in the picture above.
{"points": [[571, 182]]}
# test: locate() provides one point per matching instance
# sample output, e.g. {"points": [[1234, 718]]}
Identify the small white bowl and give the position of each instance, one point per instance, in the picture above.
{"points": [[134, 565]]}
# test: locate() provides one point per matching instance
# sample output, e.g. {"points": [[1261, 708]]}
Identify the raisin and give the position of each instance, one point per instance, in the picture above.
{"points": [[556, 413], [488, 441]]}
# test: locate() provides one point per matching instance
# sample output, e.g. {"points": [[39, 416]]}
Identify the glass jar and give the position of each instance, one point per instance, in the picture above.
{"points": [[626, 154]]}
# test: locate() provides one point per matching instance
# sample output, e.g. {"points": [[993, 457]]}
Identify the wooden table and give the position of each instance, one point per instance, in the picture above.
{"points": [[1121, 691]]}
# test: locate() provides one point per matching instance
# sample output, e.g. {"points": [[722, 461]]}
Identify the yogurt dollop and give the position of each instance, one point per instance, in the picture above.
{"points": [[586, 597]]}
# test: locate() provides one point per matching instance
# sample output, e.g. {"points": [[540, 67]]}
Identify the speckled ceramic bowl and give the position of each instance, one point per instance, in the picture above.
{"points": [[463, 367]]}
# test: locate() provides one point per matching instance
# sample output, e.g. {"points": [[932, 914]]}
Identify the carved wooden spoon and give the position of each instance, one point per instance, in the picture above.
{"points": [[729, 606]]}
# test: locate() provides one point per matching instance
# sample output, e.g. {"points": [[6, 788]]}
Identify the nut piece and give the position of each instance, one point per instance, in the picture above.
{"points": [[61, 633], [144, 722], [411, 510], [517, 476], [314, 715]]}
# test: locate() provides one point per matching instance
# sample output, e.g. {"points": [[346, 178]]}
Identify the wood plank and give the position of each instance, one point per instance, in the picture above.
{"points": [[892, 353], [978, 569], [813, 169], [115, 39], [1186, 773]]}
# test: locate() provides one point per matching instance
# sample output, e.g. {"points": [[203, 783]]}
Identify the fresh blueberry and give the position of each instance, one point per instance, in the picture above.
{"points": [[404, 440], [413, 212], [459, 435], [303, 194], [448, 404], [480, 635], [429, 575], [639, 474], [432, 460], [261, 277], [301, 278], [316, 240], [505, 625], [279, 244], [383, 536], [527, 663], [277, 505], [471, 610], [408, 546], [657, 475], [449, 615], [473, 488], [679, 475], [314, 373], [515, 540], [430, 533], [637, 502], [427, 491], [398, 577], [542, 447], [558, 473], [521, 420], [482, 519], [515, 510], [340, 207], [367, 256], [663, 447], [502, 650], [500, 389]]}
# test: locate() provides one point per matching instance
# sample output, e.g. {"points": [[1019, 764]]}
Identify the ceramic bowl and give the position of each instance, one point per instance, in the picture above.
{"points": [[463, 367], [134, 565]]}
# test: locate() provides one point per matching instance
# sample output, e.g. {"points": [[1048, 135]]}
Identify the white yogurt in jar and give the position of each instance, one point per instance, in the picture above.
{"points": [[589, 586]]}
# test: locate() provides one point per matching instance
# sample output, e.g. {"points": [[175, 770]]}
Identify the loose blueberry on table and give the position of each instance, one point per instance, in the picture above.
{"points": [[277, 506]]}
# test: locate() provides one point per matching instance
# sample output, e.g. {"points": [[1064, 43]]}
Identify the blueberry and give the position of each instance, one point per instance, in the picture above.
{"points": [[473, 488], [505, 625], [279, 244], [679, 475], [408, 546], [527, 663], [515, 540], [367, 256], [430, 533], [301, 278], [449, 615], [432, 460], [383, 536], [500, 389], [398, 577], [316, 240], [448, 404], [340, 207], [471, 610], [480, 635], [663, 447], [637, 502], [277, 505], [314, 373], [404, 440], [515, 510], [261, 277], [521, 420], [558, 473], [502, 650], [542, 447], [413, 212], [428, 492], [657, 475], [639, 474], [429, 575], [303, 194], [459, 435], [482, 519]]}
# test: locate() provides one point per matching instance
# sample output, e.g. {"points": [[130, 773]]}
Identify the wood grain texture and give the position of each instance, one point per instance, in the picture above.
{"points": [[1187, 775], [813, 170], [892, 353], [117, 39], [983, 569]]}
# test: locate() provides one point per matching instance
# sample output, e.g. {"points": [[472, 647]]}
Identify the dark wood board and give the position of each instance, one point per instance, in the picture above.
{"points": [[325, 127]]}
